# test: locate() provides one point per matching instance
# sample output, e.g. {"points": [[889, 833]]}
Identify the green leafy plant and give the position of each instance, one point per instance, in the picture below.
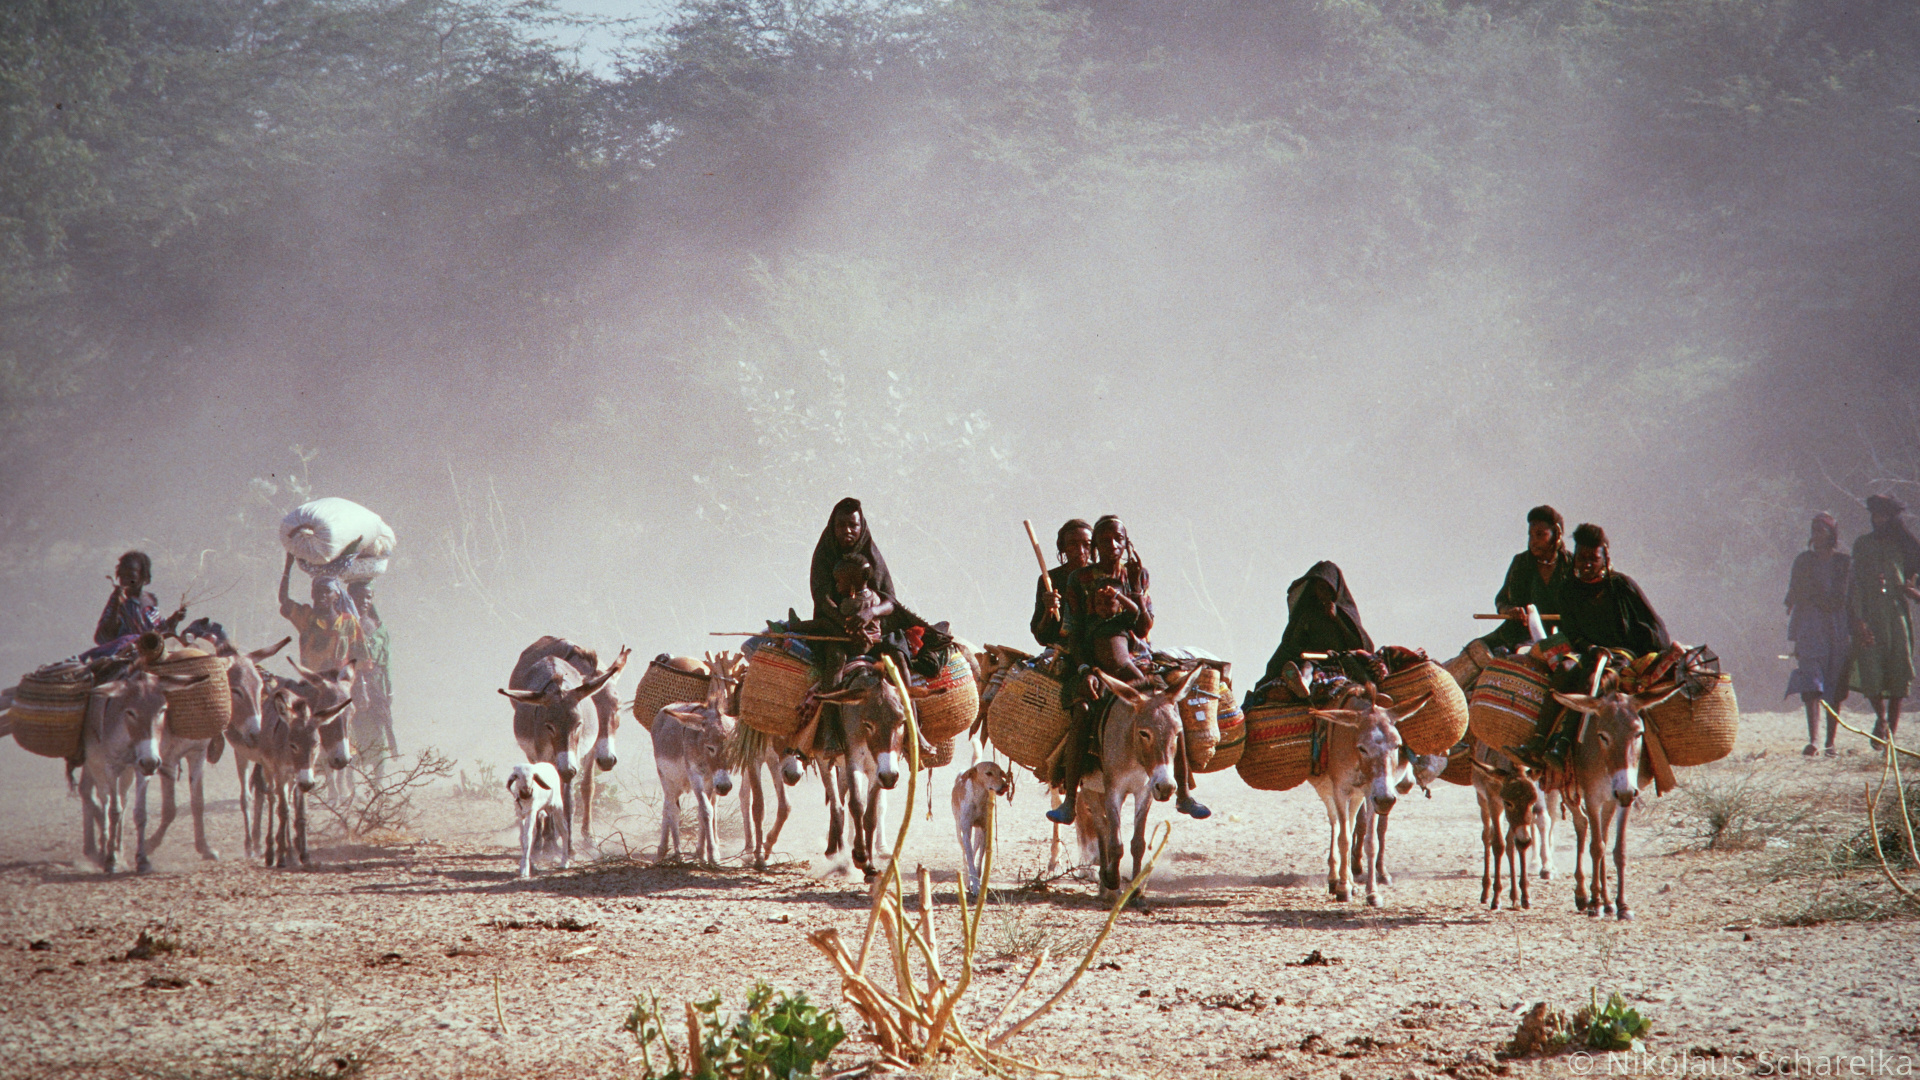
{"points": [[778, 1037], [1612, 1027]]}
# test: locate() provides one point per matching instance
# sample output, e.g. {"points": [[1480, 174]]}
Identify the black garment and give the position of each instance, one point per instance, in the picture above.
{"points": [[828, 552], [1313, 630], [1522, 587], [1048, 630], [1613, 613], [1083, 626]]}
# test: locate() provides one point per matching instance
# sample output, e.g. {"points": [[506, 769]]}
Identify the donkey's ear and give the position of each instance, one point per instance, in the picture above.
{"points": [[262, 655], [1342, 717], [1121, 690], [1186, 684], [542, 781], [310, 676], [1643, 702], [1581, 703], [846, 695], [335, 711], [527, 696], [920, 693]]}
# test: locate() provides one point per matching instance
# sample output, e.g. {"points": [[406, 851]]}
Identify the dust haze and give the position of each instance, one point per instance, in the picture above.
{"points": [[1274, 283]]}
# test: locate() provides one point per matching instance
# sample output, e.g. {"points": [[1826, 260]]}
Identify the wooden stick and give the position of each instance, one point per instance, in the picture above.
{"points": [[1870, 738], [1041, 556], [774, 634], [1519, 618]]}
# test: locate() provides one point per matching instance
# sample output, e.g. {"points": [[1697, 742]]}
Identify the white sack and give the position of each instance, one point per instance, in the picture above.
{"points": [[316, 533]]}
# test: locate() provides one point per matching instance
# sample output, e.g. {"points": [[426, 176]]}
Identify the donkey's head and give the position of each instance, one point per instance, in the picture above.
{"points": [[326, 691], [558, 691], [248, 686], [303, 733], [1151, 722], [138, 703], [1377, 744], [872, 713], [1609, 737]]}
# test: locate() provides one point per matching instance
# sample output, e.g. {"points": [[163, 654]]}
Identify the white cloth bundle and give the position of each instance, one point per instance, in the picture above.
{"points": [[316, 533]]}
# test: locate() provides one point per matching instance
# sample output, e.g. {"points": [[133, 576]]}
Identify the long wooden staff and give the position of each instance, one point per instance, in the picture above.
{"points": [[1522, 617], [774, 634], [1040, 556]]}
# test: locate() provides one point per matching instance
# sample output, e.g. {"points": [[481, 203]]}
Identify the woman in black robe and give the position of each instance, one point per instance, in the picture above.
{"points": [[846, 534], [1322, 617]]}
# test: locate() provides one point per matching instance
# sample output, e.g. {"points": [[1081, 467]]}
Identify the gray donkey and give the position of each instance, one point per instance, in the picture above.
{"points": [[1138, 739], [1606, 777], [549, 682]]}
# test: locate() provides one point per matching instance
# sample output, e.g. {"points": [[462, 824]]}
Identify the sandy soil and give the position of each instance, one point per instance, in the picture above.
{"points": [[404, 944]]}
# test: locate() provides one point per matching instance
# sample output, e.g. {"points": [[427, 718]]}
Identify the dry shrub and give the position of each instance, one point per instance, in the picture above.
{"points": [[381, 804], [1740, 813]]}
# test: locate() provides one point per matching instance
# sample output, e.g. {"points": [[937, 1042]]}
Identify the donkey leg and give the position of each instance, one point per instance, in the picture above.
{"points": [[703, 806], [1597, 821], [669, 823], [586, 804], [566, 824], [1371, 857], [781, 809], [1380, 848], [753, 810], [1579, 815], [168, 808], [141, 864], [197, 806], [300, 823], [1342, 846], [1620, 867], [1543, 832]]}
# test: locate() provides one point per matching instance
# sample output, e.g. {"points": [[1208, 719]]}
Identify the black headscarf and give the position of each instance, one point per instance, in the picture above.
{"points": [[828, 552], [1309, 629]]}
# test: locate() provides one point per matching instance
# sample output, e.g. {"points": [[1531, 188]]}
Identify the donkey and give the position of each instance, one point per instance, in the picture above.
{"points": [[1363, 754], [1414, 770], [1138, 739], [174, 752], [690, 753], [1607, 746], [1512, 809], [549, 681], [289, 743], [874, 720], [749, 752], [122, 734], [323, 690]]}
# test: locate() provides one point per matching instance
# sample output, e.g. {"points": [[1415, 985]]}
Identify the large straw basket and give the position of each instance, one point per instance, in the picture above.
{"points": [[1279, 753], [1459, 768], [1233, 737], [954, 703], [200, 711], [1442, 721], [49, 710], [1507, 699], [775, 684], [665, 683], [1698, 730], [1027, 721], [940, 755], [1200, 715]]}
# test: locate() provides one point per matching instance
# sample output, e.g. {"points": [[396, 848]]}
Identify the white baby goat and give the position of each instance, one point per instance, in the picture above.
{"points": [[536, 801]]}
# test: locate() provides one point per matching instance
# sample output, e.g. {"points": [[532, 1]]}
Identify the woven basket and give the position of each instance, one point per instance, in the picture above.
{"points": [[1233, 739], [1200, 715], [941, 755], [1459, 768], [202, 711], [775, 684], [664, 685], [1279, 746], [1698, 730], [1444, 719], [955, 703], [50, 710], [1027, 721], [1507, 699]]}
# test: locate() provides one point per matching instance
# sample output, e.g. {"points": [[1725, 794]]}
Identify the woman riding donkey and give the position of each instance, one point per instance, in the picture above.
{"points": [[1107, 619]]}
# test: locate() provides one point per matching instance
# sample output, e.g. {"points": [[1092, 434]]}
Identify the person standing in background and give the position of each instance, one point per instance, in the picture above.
{"points": [[1819, 626], [373, 681], [1886, 565]]}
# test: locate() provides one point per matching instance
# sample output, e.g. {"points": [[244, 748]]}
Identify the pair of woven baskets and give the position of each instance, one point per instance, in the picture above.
{"points": [[1507, 700], [1279, 746], [669, 681], [1026, 721], [1698, 730], [1442, 721]]}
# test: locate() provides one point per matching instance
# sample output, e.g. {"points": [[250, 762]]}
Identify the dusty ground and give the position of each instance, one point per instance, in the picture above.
{"points": [[399, 947]]}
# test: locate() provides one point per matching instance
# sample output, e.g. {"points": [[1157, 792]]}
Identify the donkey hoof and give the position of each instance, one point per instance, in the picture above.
{"points": [[1386, 878], [1546, 875], [1343, 895], [143, 865], [210, 855], [1373, 899], [1625, 915]]}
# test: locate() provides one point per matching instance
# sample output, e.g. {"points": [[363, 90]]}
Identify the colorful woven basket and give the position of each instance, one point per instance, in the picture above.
{"points": [[775, 684], [1507, 699], [200, 711], [1444, 719], [1027, 721], [954, 703], [1695, 731], [666, 684], [50, 710], [1279, 746], [1200, 715]]}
